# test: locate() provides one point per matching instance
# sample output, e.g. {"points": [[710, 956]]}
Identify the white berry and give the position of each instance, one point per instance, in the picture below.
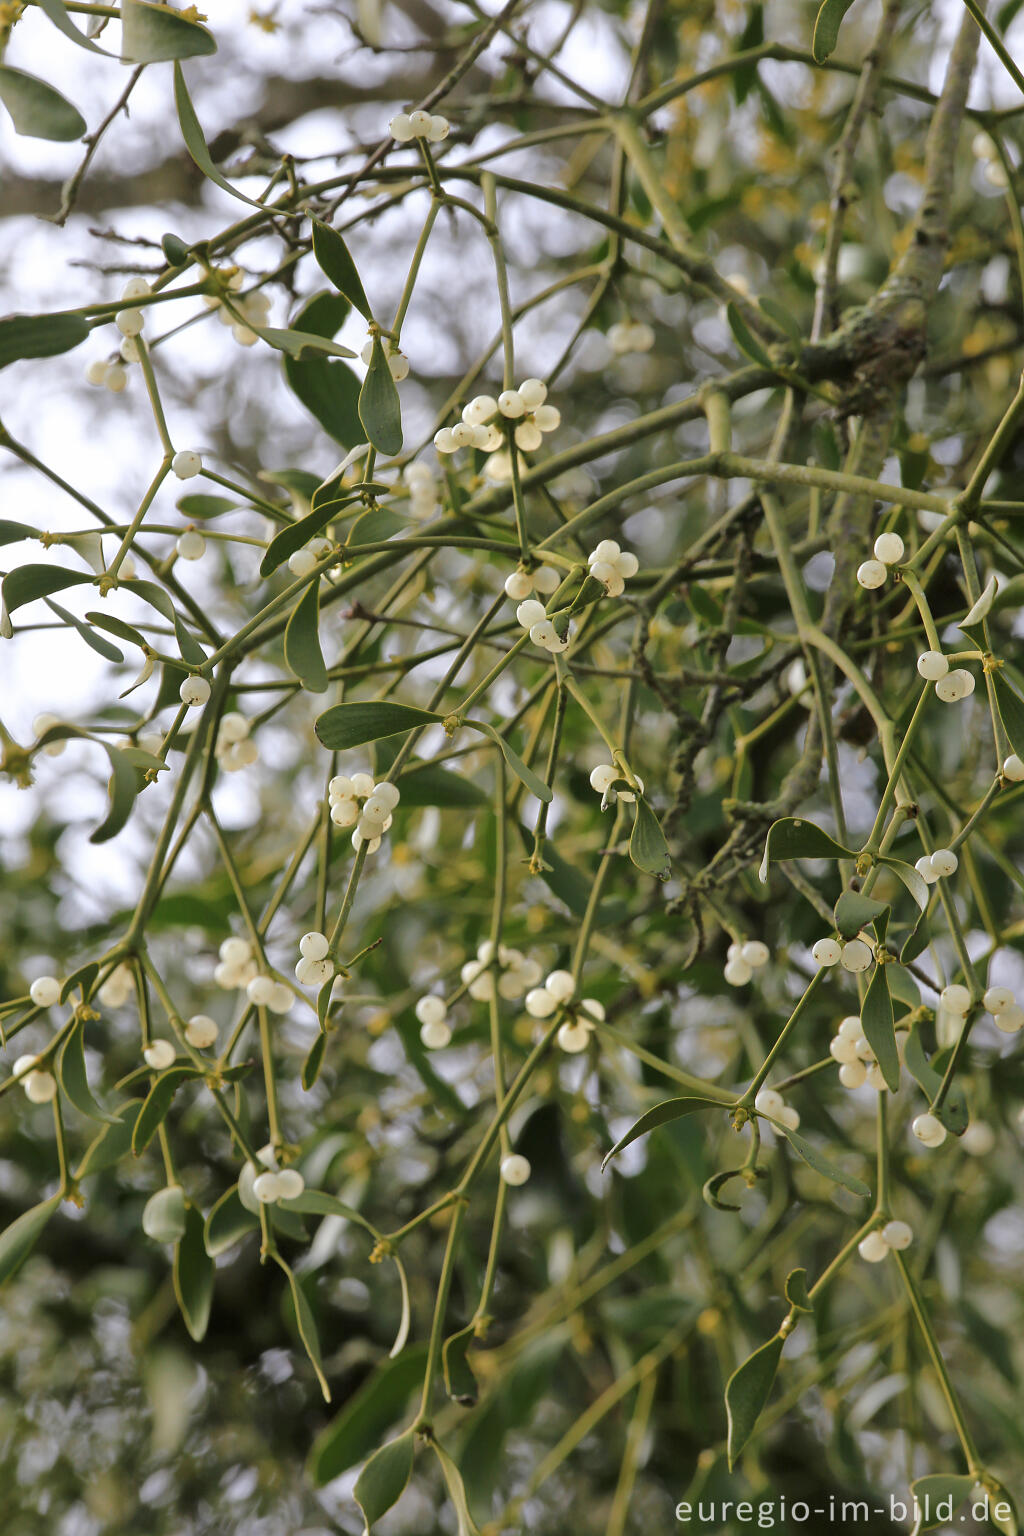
{"points": [[896, 1234], [191, 545], [932, 665], [930, 1130], [1013, 769], [186, 464], [159, 1054], [889, 548], [313, 946], [44, 991], [431, 1010], [871, 574], [515, 1169], [956, 998], [873, 1248], [856, 955], [435, 1034], [194, 691], [827, 952], [201, 1031], [945, 861]]}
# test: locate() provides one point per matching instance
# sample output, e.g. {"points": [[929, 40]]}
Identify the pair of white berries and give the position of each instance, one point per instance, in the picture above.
{"points": [[234, 748], [521, 583], [111, 375], [934, 866], [194, 692], [612, 566], [604, 776], [889, 550], [878, 1244], [265, 992], [398, 363], [771, 1103], [45, 991], [406, 126], [422, 484], [1007, 1014], [372, 818], [630, 336], [305, 561], [742, 960], [314, 965], [40, 1086], [266, 1183], [532, 615], [432, 1014], [950, 686], [516, 972], [854, 955], [237, 966], [857, 1063]]}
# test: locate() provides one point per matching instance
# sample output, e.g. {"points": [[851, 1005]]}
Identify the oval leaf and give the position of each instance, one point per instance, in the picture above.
{"points": [[877, 1023], [661, 1114], [826, 28], [37, 110], [747, 1392], [227, 1223], [526, 775], [297, 534], [302, 641], [18, 1240], [306, 1324], [456, 1492], [28, 582], [648, 849], [379, 409], [39, 336], [911, 879], [1011, 712], [352, 725], [195, 141], [792, 838], [813, 1158], [459, 1381], [153, 33], [953, 1111], [796, 1291], [945, 1492], [356, 1431], [157, 1103], [854, 911], [73, 1079], [112, 1143], [383, 1480], [332, 257], [745, 338], [193, 1275]]}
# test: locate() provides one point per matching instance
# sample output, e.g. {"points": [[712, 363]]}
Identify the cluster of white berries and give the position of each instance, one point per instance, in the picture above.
{"points": [[406, 126], [130, 322], [40, 1086], [432, 1013], [254, 309], [771, 1103], [265, 992], [305, 561], [235, 748], [117, 988], [742, 960], [950, 686], [422, 483], [602, 779], [525, 406], [557, 992], [187, 463], [398, 363], [612, 566], [877, 1244], [934, 866], [194, 692], [515, 1169], [372, 818], [41, 724], [45, 991], [543, 578], [630, 336], [889, 550], [857, 1063], [532, 615], [314, 965], [257, 1188], [515, 972], [854, 955], [191, 545]]}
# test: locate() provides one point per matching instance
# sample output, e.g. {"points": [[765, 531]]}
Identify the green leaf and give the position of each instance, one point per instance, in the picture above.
{"points": [[201, 506], [953, 1112], [300, 345], [292, 538], [13, 533], [84, 978], [314, 1061], [661, 1114], [306, 1324], [94, 642], [55, 11], [854, 912], [1011, 711], [1005, 1523], [18, 1240], [980, 610], [151, 34], [193, 1275], [379, 408], [366, 1416], [332, 256], [195, 141], [877, 1023], [383, 1480], [782, 317], [117, 627], [27, 582], [175, 249], [375, 526], [932, 1492], [328, 390], [911, 879], [431, 785], [302, 641], [37, 110], [792, 838], [158, 1102], [73, 1079], [227, 1223], [124, 787], [459, 1381], [796, 1291], [354, 724], [456, 1491], [39, 336], [826, 28], [917, 941], [526, 775], [188, 645], [648, 849], [747, 1391], [112, 1144], [745, 338], [813, 1158]]}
